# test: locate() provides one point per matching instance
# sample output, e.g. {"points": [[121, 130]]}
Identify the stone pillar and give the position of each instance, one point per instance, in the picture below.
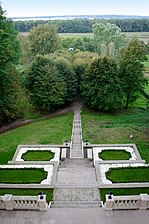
{"points": [[42, 203], [8, 201], [144, 201], [109, 202]]}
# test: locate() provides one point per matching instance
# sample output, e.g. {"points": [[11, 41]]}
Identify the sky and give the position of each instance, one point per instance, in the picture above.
{"points": [[16, 8]]}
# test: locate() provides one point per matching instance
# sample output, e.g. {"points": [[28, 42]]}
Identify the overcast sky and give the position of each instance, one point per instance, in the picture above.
{"points": [[17, 8]]}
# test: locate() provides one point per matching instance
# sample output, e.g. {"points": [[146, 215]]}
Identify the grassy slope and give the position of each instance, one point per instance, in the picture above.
{"points": [[48, 131], [101, 128]]}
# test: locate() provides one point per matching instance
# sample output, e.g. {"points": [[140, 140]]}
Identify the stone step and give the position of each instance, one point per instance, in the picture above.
{"points": [[75, 204], [76, 194], [76, 163], [77, 185]]}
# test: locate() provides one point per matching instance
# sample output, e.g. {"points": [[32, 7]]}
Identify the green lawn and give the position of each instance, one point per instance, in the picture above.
{"points": [[113, 154], [128, 174], [28, 192], [36, 155], [48, 131], [123, 191], [22, 176], [115, 128]]}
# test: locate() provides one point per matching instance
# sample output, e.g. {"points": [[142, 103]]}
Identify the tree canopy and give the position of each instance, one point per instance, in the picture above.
{"points": [[131, 70], [101, 87], [43, 39]]}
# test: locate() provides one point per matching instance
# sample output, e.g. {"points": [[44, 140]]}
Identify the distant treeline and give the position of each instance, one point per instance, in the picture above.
{"points": [[85, 25]]}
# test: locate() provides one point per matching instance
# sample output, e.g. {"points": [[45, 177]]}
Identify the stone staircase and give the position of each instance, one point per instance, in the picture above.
{"points": [[76, 185]]}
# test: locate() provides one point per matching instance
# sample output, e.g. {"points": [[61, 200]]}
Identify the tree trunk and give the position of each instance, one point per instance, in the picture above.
{"points": [[127, 101]]}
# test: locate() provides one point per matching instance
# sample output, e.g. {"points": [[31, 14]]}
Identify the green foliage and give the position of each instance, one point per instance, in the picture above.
{"points": [[38, 155], [101, 85], [28, 192], [128, 174], [68, 75], [131, 70], [12, 96], [114, 154], [22, 176], [46, 86], [108, 38], [44, 39]]}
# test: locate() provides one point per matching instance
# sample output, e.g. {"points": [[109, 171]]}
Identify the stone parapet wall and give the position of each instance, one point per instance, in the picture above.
{"points": [[10, 202], [127, 202]]}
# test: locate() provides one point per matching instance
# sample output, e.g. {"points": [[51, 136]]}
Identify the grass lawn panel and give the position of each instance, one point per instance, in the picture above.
{"points": [[28, 192], [38, 155], [114, 154], [46, 131], [22, 176], [122, 191], [128, 174]]}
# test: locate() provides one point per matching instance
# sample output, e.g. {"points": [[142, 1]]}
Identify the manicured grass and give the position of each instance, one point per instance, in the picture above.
{"points": [[22, 176], [113, 154], [38, 155], [115, 128], [128, 174], [123, 191], [28, 192], [48, 131]]}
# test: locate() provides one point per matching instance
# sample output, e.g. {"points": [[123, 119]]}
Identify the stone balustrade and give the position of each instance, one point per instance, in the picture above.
{"points": [[127, 202], [10, 202]]}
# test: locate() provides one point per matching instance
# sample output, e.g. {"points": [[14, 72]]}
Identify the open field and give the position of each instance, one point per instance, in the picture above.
{"points": [[48, 131], [144, 36]]}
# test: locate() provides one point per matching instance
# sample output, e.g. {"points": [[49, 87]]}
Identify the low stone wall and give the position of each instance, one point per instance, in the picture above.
{"points": [[10, 202], [127, 202]]}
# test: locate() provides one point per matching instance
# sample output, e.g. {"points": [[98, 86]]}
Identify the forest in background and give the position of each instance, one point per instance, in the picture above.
{"points": [[43, 72]]}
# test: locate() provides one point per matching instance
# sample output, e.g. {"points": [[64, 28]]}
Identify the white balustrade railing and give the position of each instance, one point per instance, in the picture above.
{"points": [[127, 202], [10, 202]]}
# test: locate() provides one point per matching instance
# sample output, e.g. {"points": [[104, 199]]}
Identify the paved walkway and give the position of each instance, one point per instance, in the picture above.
{"points": [[74, 216]]}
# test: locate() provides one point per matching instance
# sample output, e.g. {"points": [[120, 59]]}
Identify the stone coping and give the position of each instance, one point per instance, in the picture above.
{"points": [[131, 148], [124, 185], [103, 168], [47, 181], [21, 149]]}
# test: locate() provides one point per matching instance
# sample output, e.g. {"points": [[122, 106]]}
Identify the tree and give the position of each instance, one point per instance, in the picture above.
{"points": [[44, 39], [131, 70], [46, 86], [101, 87], [107, 38], [67, 73], [12, 95]]}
